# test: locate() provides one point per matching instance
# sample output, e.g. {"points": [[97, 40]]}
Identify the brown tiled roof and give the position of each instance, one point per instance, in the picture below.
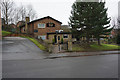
{"points": [[44, 18]]}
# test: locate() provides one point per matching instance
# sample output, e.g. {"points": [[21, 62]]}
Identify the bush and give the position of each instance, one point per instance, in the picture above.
{"points": [[118, 39], [53, 41], [110, 41], [5, 33], [7, 28], [62, 41]]}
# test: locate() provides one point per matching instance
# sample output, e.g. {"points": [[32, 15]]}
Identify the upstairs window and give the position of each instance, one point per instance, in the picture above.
{"points": [[50, 25], [41, 25]]}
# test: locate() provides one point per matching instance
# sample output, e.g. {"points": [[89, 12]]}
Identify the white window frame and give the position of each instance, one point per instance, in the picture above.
{"points": [[42, 37], [39, 25], [23, 29], [65, 35]]}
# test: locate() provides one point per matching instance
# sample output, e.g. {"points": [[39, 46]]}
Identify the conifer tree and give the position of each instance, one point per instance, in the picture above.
{"points": [[89, 19]]}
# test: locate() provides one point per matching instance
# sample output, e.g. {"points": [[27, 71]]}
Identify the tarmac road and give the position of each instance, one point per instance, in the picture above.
{"points": [[102, 66]]}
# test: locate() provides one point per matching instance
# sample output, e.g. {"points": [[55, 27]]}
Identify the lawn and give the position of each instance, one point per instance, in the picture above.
{"points": [[5, 33], [95, 47], [105, 47], [77, 48], [36, 43]]}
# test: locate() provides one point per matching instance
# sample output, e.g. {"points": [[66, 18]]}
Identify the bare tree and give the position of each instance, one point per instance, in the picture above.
{"points": [[31, 12], [22, 12], [113, 23], [13, 14], [27, 12], [118, 23], [17, 16], [7, 10]]}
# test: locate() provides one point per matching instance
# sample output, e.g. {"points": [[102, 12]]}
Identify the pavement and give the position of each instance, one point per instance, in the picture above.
{"points": [[78, 54]]}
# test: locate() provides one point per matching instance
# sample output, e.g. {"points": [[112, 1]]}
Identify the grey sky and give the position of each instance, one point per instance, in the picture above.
{"points": [[60, 9]]}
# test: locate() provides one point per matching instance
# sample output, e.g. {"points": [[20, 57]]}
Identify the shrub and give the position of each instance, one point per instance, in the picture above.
{"points": [[5, 33], [62, 40], [118, 39], [53, 41]]}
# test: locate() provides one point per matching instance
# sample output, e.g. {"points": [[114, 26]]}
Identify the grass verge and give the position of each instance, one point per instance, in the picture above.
{"points": [[36, 43], [5, 33], [95, 47], [105, 47]]}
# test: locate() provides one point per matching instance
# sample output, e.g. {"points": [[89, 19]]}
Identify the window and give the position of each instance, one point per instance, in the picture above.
{"points": [[24, 29], [50, 25], [58, 37], [43, 37], [35, 30], [40, 25], [65, 36]]}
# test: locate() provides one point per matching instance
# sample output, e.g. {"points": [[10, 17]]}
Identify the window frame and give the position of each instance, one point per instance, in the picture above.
{"points": [[64, 36], [41, 37], [23, 29], [35, 31], [40, 24], [50, 24]]}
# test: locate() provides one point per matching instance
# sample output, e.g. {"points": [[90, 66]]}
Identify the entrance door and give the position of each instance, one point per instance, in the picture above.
{"points": [[55, 37]]}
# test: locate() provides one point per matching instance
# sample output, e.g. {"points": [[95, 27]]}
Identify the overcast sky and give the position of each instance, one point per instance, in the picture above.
{"points": [[60, 9]]}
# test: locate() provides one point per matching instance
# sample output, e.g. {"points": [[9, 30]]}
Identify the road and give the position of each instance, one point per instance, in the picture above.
{"points": [[35, 66]]}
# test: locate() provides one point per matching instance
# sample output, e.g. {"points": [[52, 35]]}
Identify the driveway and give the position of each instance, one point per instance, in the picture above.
{"points": [[17, 48]]}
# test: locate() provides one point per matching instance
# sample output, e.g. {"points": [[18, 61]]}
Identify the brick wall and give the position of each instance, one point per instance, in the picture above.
{"points": [[51, 37], [43, 31]]}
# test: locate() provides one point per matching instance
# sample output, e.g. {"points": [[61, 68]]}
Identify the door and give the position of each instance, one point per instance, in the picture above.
{"points": [[55, 37]]}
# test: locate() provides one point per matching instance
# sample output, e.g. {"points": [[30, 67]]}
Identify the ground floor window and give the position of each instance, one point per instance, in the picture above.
{"points": [[65, 36], [23, 29], [43, 37], [58, 37]]}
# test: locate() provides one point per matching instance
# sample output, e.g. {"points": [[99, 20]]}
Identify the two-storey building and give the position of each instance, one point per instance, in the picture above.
{"points": [[45, 28]]}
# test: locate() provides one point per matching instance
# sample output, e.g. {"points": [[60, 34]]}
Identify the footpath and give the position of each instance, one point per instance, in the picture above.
{"points": [[78, 54]]}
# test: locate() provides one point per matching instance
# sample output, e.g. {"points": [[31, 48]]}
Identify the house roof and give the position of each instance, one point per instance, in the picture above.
{"points": [[20, 22], [44, 18], [12, 25]]}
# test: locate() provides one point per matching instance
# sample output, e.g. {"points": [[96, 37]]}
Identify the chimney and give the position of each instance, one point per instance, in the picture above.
{"points": [[27, 19], [26, 24]]}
